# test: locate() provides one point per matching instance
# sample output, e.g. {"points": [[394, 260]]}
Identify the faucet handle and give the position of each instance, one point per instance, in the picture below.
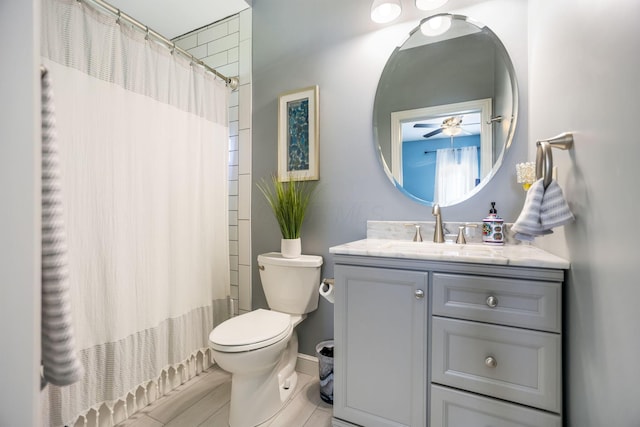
{"points": [[461, 229], [418, 236]]}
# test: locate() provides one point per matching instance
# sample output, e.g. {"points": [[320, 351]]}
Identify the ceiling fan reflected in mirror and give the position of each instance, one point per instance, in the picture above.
{"points": [[450, 126]]}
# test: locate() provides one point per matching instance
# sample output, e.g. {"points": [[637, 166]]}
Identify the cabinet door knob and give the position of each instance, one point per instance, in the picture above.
{"points": [[491, 362], [492, 301], [419, 294]]}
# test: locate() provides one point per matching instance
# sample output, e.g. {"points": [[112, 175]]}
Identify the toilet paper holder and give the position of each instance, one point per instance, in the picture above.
{"points": [[326, 290]]}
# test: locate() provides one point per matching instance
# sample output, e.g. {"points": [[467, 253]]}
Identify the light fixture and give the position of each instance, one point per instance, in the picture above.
{"points": [[383, 11], [452, 131], [436, 25], [430, 4], [526, 174]]}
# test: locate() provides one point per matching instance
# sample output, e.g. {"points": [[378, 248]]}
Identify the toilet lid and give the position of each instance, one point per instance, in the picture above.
{"points": [[250, 331]]}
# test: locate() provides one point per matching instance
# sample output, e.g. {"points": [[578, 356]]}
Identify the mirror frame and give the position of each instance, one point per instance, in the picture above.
{"points": [[400, 116]]}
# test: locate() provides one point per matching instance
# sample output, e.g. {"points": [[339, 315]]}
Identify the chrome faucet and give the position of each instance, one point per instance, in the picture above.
{"points": [[438, 233]]}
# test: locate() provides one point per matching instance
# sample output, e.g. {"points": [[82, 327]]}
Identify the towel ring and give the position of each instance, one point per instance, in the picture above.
{"points": [[544, 158]]}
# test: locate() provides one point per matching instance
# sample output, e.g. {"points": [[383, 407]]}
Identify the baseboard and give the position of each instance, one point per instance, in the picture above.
{"points": [[340, 423], [307, 365]]}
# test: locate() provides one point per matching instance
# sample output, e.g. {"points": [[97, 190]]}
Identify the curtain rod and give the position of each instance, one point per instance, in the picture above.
{"points": [[232, 82]]}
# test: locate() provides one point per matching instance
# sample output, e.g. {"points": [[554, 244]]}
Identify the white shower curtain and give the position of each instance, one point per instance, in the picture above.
{"points": [[456, 173], [143, 140]]}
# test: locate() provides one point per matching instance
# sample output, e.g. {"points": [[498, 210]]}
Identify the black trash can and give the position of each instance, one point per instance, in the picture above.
{"points": [[324, 353]]}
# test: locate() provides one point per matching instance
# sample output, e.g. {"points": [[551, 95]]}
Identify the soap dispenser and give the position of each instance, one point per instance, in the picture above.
{"points": [[493, 227]]}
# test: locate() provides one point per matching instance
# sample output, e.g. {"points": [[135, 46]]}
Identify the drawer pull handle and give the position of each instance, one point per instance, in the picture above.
{"points": [[419, 294], [492, 301], [491, 362]]}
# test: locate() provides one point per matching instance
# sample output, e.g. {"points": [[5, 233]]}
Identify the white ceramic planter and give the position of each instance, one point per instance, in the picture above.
{"points": [[290, 248]]}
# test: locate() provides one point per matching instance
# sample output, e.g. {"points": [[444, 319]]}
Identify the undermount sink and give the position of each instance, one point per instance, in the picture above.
{"points": [[452, 249]]}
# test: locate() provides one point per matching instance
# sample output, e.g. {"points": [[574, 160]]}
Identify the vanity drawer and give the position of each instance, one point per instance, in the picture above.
{"points": [[513, 364], [512, 302], [453, 408]]}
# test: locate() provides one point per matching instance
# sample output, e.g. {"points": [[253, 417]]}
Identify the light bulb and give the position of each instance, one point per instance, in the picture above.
{"points": [[452, 131], [430, 4], [383, 11], [436, 26]]}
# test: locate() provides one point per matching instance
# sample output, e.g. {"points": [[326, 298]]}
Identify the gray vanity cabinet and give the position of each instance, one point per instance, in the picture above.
{"points": [[497, 337], [446, 344], [380, 362]]}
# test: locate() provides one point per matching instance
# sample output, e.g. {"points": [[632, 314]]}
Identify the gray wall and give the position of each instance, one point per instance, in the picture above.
{"points": [[423, 77], [334, 44], [584, 68]]}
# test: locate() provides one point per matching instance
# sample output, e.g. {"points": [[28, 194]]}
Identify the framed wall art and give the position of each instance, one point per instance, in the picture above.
{"points": [[298, 135]]}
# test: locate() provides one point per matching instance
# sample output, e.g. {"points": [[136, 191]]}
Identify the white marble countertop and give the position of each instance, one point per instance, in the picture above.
{"points": [[478, 253]]}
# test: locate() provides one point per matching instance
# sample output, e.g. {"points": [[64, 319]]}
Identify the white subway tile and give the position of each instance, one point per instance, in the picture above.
{"points": [[244, 152], [233, 204], [224, 43], [233, 158], [233, 247], [233, 114], [244, 275], [233, 98], [244, 60], [244, 197], [230, 69], [235, 292], [233, 188], [233, 262], [233, 217], [233, 172], [245, 106], [232, 54], [233, 142], [187, 42], [234, 24], [245, 24], [233, 232], [214, 32], [216, 60], [233, 279], [199, 51], [244, 239], [233, 130]]}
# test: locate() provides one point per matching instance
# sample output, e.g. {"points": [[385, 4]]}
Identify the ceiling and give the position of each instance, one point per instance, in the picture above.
{"points": [[173, 18], [470, 126]]}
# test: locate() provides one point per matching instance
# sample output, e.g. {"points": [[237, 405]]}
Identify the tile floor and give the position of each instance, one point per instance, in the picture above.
{"points": [[204, 402]]}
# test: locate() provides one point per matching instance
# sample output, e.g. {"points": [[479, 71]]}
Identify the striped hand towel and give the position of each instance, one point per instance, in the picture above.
{"points": [[554, 211], [543, 210], [61, 364]]}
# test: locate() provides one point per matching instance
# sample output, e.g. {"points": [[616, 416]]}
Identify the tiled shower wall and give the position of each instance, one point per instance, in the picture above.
{"points": [[226, 46]]}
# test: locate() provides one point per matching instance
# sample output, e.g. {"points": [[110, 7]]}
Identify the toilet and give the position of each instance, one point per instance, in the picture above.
{"points": [[260, 348]]}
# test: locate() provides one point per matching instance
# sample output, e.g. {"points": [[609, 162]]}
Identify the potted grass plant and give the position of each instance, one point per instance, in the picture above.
{"points": [[289, 202]]}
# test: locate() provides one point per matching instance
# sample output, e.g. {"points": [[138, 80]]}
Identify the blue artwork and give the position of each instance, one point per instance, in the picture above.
{"points": [[298, 135]]}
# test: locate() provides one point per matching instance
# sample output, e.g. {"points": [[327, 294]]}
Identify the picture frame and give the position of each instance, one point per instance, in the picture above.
{"points": [[298, 135]]}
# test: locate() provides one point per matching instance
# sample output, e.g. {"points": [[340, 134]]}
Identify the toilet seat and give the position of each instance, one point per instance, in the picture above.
{"points": [[250, 331]]}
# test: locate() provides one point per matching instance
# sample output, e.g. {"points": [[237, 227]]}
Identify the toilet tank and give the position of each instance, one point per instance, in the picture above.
{"points": [[290, 284]]}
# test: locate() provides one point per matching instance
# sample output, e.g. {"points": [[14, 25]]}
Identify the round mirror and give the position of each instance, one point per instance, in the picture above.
{"points": [[445, 110]]}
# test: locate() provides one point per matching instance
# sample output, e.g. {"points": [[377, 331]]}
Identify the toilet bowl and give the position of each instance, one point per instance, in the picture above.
{"points": [[260, 348]]}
